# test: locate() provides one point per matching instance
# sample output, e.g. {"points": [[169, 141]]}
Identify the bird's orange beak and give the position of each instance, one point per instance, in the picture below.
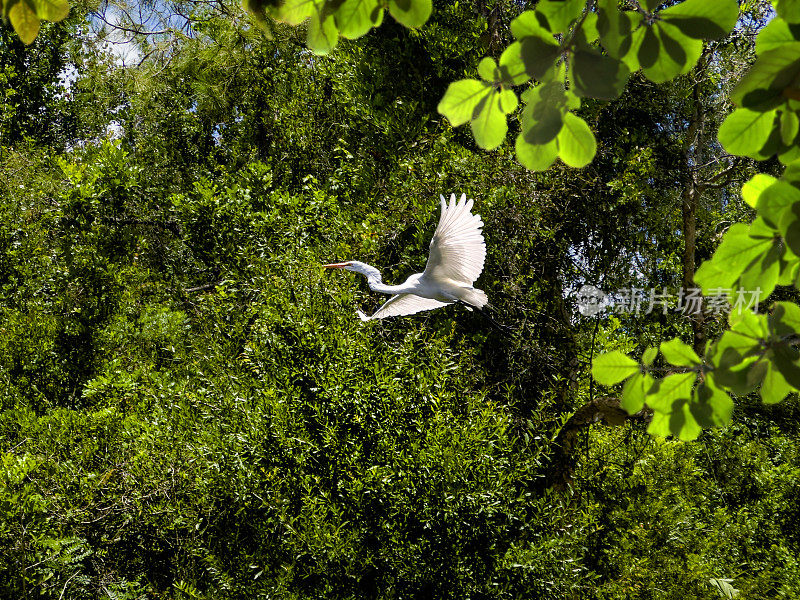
{"points": [[335, 265]]}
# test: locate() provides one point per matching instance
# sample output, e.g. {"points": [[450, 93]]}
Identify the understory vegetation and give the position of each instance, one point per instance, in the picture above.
{"points": [[190, 407]]}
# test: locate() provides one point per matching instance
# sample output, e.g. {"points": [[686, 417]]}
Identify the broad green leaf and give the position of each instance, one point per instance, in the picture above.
{"points": [[559, 14], [763, 274], [649, 356], [616, 32], [589, 28], [411, 13], [526, 25], [785, 359], [790, 266], [752, 189], [576, 143], [536, 157], [489, 126], [761, 229], [790, 153], [539, 54], [322, 33], [789, 126], [732, 356], [508, 100], [736, 253], [788, 10], [24, 20], [745, 132], [772, 76], [665, 52], [785, 319], [774, 387], [710, 276], [665, 392], [50, 10], [635, 391], [679, 354], [754, 326], [712, 406], [512, 67], [487, 69], [776, 33], [461, 100], [354, 18], [543, 116], [775, 199], [703, 19], [789, 226], [598, 76], [613, 367]]}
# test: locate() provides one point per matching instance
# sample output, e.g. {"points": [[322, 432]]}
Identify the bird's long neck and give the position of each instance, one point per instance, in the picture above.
{"points": [[379, 286], [375, 281]]}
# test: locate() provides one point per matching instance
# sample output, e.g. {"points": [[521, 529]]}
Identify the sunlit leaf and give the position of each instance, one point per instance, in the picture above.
{"points": [[744, 132], [711, 406], [665, 52], [634, 392], [774, 387], [411, 13], [773, 74], [775, 34], [322, 32], [752, 189], [774, 199], [461, 100], [613, 367], [616, 32], [790, 125], [526, 24], [649, 356], [576, 143], [788, 10], [789, 226], [703, 19], [24, 20], [354, 18], [679, 354], [598, 76], [539, 54], [785, 319], [736, 253], [50, 10], [672, 387], [559, 14], [536, 157], [512, 67]]}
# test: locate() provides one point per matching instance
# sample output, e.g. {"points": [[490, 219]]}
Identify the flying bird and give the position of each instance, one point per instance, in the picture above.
{"points": [[457, 254]]}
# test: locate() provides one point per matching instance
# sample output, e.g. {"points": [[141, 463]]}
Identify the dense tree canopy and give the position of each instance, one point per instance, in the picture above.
{"points": [[189, 406]]}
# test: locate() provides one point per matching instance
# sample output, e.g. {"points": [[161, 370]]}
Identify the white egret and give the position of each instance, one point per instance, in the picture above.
{"points": [[457, 254]]}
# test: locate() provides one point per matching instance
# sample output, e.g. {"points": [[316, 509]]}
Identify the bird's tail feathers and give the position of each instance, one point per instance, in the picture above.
{"points": [[362, 316], [475, 297]]}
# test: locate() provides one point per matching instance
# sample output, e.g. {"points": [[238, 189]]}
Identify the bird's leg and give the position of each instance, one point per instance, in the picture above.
{"points": [[505, 329]]}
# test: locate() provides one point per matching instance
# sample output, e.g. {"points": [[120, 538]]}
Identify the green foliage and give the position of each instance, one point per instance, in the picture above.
{"points": [[664, 44], [190, 408], [25, 15], [328, 19], [756, 258]]}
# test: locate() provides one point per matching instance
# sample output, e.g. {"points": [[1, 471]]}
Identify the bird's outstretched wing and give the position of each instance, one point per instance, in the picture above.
{"points": [[457, 248], [401, 305]]}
